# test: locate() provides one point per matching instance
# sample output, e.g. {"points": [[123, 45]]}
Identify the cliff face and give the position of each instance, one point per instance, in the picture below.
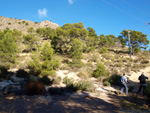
{"points": [[24, 25]]}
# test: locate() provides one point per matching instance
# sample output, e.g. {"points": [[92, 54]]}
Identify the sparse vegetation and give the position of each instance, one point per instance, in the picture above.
{"points": [[9, 23], [37, 51], [57, 80], [103, 50], [84, 86]]}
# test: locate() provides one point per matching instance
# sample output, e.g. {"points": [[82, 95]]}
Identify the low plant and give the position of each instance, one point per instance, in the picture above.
{"points": [[144, 61], [94, 57], [9, 23], [91, 49], [114, 79], [84, 86], [85, 73], [76, 64], [26, 24], [36, 22], [106, 56], [106, 83], [57, 80], [103, 50], [118, 64], [69, 83], [124, 60]]}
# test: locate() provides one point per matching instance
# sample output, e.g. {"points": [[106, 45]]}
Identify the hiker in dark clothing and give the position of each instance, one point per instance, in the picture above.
{"points": [[142, 78]]}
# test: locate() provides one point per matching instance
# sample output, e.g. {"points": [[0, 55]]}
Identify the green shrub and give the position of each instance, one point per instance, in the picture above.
{"points": [[31, 30], [84, 86], [69, 83], [76, 63], [8, 48], [103, 50], [23, 22], [26, 24], [9, 23], [100, 71], [76, 49], [106, 83], [44, 62], [91, 49], [137, 50], [106, 56], [114, 79]]}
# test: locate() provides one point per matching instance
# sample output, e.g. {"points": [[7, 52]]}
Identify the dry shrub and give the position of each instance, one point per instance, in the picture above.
{"points": [[144, 61], [85, 72], [33, 88], [107, 56], [84, 85], [57, 80], [93, 57], [124, 60]]}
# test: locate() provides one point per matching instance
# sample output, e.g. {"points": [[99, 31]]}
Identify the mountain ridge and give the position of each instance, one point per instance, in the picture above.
{"points": [[24, 25]]}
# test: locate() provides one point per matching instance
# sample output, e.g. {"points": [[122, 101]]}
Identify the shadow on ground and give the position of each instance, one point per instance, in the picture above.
{"points": [[58, 104]]}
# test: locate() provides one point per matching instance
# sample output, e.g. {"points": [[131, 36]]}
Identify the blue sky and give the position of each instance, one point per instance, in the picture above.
{"points": [[104, 16]]}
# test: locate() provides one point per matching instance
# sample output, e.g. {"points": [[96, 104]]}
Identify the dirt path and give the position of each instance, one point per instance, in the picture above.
{"points": [[75, 103]]}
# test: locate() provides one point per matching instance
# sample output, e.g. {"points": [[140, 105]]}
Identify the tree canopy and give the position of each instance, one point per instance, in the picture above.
{"points": [[137, 39]]}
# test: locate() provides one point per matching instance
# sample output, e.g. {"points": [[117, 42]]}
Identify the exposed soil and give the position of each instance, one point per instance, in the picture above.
{"points": [[78, 102]]}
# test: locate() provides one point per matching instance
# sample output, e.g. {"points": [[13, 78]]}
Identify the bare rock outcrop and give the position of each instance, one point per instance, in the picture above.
{"points": [[24, 25], [47, 23]]}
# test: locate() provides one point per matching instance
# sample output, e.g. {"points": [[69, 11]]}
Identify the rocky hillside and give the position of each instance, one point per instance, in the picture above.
{"points": [[24, 25]]}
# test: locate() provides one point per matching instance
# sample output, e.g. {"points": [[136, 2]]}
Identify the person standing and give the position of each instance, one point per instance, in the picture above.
{"points": [[124, 84], [142, 78]]}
